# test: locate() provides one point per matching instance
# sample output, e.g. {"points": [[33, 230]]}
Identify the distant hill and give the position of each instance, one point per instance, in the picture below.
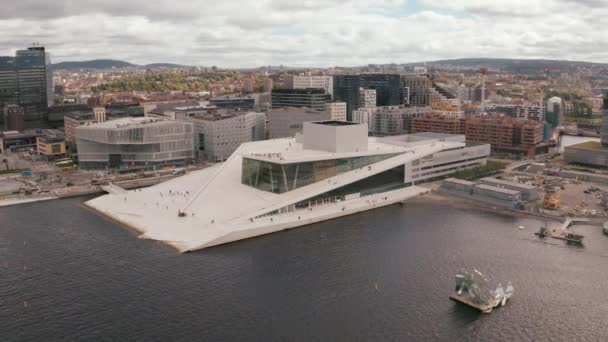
{"points": [[94, 64], [517, 65], [104, 64], [165, 66]]}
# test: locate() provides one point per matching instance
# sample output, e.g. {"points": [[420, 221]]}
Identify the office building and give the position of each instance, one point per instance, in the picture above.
{"points": [[336, 111], [57, 113], [311, 82], [604, 127], [331, 170], [387, 86], [51, 146], [13, 118], [518, 111], [123, 110], [233, 102], [504, 134], [218, 134], [9, 94], [26, 80], [34, 80], [367, 98], [248, 86], [395, 120], [134, 144], [268, 84], [439, 124], [315, 99], [15, 141], [554, 111], [591, 153], [444, 163], [73, 120], [287, 122], [423, 91], [364, 115]]}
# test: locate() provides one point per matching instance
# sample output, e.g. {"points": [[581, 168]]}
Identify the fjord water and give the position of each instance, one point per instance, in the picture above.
{"points": [[67, 274]]}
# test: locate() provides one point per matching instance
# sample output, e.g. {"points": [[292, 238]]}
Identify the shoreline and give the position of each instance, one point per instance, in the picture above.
{"points": [[76, 192], [433, 197], [436, 198]]}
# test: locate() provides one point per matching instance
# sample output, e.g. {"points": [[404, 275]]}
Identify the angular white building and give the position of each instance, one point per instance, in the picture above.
{"points": [[331, 170]]}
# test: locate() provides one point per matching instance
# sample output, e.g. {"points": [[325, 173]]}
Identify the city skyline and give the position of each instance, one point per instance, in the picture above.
{"points": [[319, 33]]}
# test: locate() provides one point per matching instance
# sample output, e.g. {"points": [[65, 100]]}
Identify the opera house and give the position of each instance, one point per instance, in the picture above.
{"points": [[331, 170]]}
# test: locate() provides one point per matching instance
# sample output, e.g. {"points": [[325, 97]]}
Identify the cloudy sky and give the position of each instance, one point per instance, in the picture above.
{"points": [[242, 33]]}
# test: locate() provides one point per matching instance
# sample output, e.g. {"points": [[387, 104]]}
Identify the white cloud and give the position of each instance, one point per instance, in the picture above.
{"points": [[306, 32]]}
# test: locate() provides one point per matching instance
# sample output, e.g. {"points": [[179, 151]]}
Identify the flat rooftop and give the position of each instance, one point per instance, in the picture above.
{"points": [[193, 108], [497, 189], [288, 151], [589, 145], [507, 183], [81, 116], [335, 123], [128, 122], [217, 116]]}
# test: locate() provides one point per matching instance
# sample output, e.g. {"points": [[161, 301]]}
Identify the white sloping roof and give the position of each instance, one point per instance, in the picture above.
{"points": [[218, 204]]}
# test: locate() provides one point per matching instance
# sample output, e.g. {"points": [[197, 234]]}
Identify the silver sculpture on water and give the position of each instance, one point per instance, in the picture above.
{"points": [[476, 288]]}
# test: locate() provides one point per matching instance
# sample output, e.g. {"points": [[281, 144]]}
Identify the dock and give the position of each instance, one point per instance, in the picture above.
{"points": [[562, 233], [484, 308]]}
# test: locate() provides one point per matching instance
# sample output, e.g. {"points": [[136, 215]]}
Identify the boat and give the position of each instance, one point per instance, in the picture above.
{"points": [[473, 289], [543, 232], [605, 228], [522, 227], [573, 238]]}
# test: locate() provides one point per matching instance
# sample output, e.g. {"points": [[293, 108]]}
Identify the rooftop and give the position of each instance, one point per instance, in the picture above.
{"points": [[589, 145], [288, 151], [52, 138], [507, 183], [193, 108], [497, 189], [335, 123], [229, 97], [218, 116], [81, 116], [128, 122]]}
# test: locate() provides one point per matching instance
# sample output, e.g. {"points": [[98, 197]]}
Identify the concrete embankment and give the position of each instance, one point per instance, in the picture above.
{"points": [[78, 191], [439, 198]]}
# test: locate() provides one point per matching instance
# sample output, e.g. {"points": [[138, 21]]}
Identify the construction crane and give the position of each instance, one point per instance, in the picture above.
{"points": [[483, 72]]}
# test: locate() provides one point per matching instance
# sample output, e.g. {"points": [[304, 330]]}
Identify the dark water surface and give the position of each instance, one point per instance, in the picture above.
{"points": [[66, 274]]}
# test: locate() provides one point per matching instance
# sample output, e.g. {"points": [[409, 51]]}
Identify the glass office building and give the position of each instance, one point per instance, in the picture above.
{"points": [[26, 80], [387, 86]]}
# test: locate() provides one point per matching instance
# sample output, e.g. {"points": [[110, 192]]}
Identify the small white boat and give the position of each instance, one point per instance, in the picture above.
{"points": [[522, 227]]}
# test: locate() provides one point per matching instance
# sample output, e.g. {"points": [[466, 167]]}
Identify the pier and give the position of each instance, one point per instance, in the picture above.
{"points": [[562, 233]]}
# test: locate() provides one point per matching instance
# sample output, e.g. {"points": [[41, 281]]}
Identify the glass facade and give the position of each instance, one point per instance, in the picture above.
{"points": [[281, 178], [389, 180]]}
